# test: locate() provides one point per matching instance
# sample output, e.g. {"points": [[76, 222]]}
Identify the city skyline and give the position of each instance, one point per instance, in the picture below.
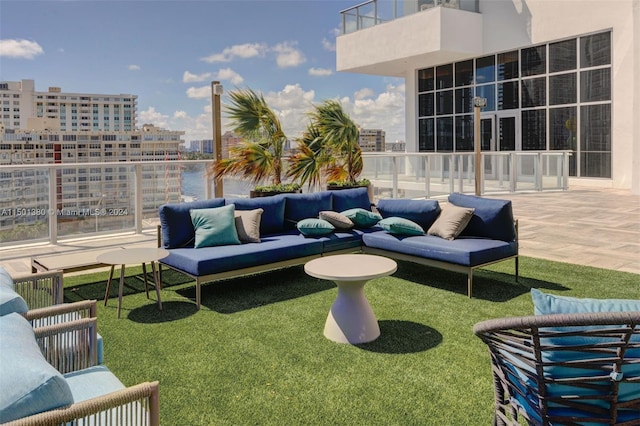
{"points": [[168, 52]]}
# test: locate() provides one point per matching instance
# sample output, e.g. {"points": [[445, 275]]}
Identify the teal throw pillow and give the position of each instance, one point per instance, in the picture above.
{"points": [[362, 218], [215, 226], [314, 227], [400, 226]]}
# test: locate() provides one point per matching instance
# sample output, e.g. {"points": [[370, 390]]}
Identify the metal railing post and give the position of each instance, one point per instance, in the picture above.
{"points": [[394, 176], [460, 173], [138, 199], [538, 171], [53, 207], [565, 171], [512, 172], [451, 178], [427, 176]]}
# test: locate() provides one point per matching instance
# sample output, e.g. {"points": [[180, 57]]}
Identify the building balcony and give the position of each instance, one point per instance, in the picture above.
{"points": [[391, 38]]}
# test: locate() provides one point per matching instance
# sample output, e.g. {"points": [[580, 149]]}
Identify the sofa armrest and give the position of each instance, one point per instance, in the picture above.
{"points": [[65, 312], [139, 404], [69, 346], [40, 289]]}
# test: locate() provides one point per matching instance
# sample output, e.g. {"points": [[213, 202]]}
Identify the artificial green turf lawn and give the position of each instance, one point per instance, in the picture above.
{"points": [[255, 353]]}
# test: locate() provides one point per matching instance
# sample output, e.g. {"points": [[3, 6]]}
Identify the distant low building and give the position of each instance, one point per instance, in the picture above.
{"points": [[204, 146], [397, 146], [372, 140]]}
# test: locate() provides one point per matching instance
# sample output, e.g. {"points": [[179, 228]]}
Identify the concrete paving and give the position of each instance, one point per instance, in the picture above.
{"points": [[583, 226]]}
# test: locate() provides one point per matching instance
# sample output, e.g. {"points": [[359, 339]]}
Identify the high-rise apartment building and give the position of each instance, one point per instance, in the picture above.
{"points": [[65, 111], [372, 140]]}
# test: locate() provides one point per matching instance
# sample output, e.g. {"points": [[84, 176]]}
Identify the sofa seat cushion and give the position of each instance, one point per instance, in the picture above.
{"points": [[492, 218], [213, 260], [92, 382], [342, 240], [462, 251], [29, 384], [177, 229]]}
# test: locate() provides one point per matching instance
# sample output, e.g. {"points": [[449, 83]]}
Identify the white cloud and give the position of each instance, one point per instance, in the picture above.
{"points": [[230, 75], [151, 116], [180, 114], [199, 92], [287, 55], [320, 72], [385, 111], [24, 49], [363, 93], [188, 77], [134, 67], [328, 45], [244, 51]]}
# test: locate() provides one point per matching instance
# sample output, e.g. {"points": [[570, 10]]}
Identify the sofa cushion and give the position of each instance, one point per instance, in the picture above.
{"points": [[272, 220], [248, 225], [338, 220], [344, 240], [215, 226], [451, 222], [177, 229], [492, 218], [362, 218], [30, 384], [400, 226], [10, 300], [303, 206], [545, 304], [422, 212], [462, 251], [313, 227], [345, 199], [272, 248], [92, 382]]}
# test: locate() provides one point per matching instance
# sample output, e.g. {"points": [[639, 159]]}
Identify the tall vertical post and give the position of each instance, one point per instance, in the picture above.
{"points": [[478, 104], [216, 122]]}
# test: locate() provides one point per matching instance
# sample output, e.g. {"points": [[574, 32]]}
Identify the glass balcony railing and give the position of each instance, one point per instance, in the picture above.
{"points": [[52, 202], [374, 12]]}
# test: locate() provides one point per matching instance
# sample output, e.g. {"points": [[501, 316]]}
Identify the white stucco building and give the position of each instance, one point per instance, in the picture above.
{"points": [[557, 75]]}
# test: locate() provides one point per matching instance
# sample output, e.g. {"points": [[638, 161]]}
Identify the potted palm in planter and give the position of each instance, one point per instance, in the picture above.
{"points": [[259, 156], [329, 148]]}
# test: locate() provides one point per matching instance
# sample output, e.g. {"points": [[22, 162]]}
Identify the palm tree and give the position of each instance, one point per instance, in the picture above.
{"points": [[311, 159], [260, 155]]}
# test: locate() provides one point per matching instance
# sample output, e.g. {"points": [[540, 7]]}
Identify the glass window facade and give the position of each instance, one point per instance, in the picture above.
{"points": [[560, 93]]}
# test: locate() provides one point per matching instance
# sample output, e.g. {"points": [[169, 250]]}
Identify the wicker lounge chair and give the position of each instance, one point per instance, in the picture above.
{"points": [[568, 369], [41, 289]]}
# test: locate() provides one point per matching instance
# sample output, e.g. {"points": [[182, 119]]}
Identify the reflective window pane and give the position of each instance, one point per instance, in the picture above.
{"points": [[464, 73], [444, 76], [508, 65], [464, 133], [507, 133], [595, 164], [562, 56], [487, 91], [445, 134], [562, 89], [464, 100], [425, 105], [444, 102], [425, 80], [595, 85], [508, 95], [534, 92], [426, 135], [534, 130], [595, 127], [595, 50], [534, 60], [563, 133], [485, 69]]}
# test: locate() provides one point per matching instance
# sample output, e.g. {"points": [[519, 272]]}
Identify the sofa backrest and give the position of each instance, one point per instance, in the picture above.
{"points": [[492, 218], [305, 206], [422, 212], [272, 220], [177, 229], [352, 198]]}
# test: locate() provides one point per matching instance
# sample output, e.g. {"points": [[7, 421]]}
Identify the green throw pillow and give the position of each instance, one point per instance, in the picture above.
{"points": [[314, 227], [215, 226], [362, 218], [400, 226]]}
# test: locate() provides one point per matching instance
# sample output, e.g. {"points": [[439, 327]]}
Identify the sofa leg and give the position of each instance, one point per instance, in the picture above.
{"points": [[469, 282], [517, 267], [198, 295]]}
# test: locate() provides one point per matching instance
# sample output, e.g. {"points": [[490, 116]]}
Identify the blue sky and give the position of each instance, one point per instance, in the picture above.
{"points": [[168, 52]]}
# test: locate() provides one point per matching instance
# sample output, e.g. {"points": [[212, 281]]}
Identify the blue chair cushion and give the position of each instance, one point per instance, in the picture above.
{"points": [[400, 226], [313, 227], [272, 220], [545, 304], [215, 226], [461, 251], [303, 206], [10, 301], [92, 382], [272, 248], [492, 218], [177, 229], [30, 385], [422, 212], [352, 198]]}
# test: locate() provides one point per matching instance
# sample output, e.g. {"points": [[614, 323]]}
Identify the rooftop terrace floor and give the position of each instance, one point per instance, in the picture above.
{"points": [[583, 226]]}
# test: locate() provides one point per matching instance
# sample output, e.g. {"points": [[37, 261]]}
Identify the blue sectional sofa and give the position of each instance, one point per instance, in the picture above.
{"points": [[489, 237]]}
